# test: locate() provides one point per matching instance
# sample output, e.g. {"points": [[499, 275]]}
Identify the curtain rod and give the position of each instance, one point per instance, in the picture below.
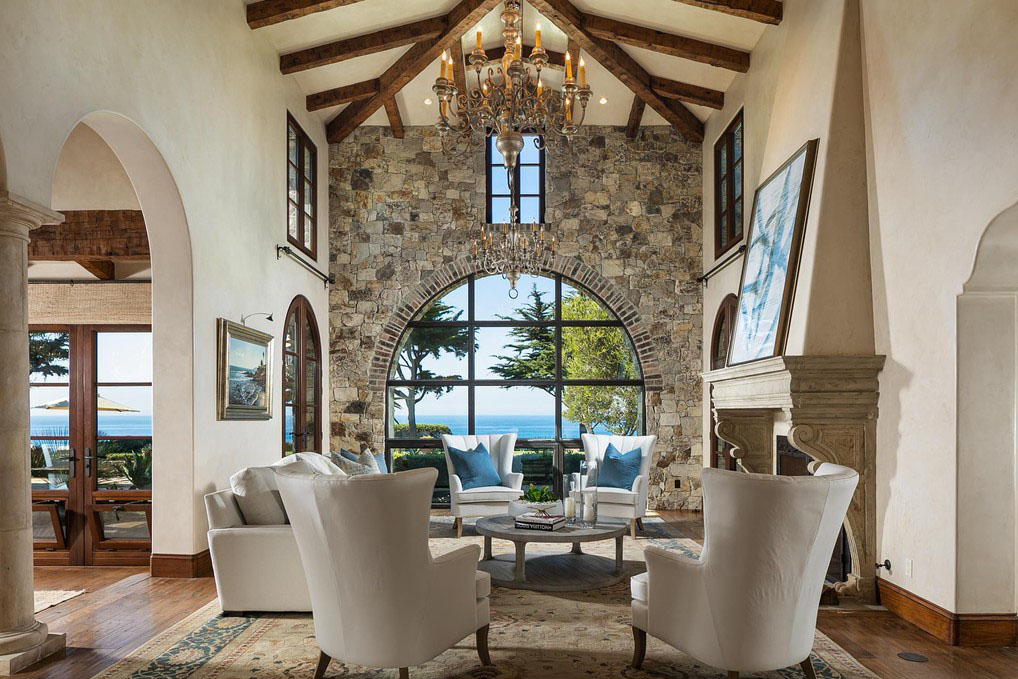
{"points": [[722, 264], [286, 249]]}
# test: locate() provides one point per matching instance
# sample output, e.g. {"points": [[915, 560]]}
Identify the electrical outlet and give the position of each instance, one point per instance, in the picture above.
{"points": [[908, 568], [678, 484]]}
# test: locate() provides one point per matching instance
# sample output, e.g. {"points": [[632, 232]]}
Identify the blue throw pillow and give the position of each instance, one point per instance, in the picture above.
{"points": [[474, 467], [380, 459], [619, 470]]}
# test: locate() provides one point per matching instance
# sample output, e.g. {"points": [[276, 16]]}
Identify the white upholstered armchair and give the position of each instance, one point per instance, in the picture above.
{"points": [[749, 603], [486, 500], [378, 597], [621, 503]]}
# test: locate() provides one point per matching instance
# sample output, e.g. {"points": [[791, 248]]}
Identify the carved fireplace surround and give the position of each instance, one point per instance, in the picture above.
{"points": [[829, 406]]}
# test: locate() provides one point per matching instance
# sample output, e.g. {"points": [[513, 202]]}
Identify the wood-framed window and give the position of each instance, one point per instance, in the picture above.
{"points": [[721, 339], [302, 380], [301, 189], [528, 196], [728, 203]]}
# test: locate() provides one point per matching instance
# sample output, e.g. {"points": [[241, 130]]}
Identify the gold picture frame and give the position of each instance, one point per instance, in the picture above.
{"points": [[244, 363]]}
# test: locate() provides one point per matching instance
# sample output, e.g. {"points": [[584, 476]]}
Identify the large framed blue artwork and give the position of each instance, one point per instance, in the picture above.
{"points": [[771, 265]]}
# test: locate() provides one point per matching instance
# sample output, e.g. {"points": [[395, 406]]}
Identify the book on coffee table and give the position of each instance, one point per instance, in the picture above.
{"points": [[532, 521]]}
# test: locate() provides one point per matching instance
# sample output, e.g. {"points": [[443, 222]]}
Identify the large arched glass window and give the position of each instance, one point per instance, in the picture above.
{"points": [[549, 365], [302, 380]]}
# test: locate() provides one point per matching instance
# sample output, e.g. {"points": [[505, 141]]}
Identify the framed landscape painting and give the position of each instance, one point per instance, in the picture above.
{"points": [[244, 373], [771, 265]]}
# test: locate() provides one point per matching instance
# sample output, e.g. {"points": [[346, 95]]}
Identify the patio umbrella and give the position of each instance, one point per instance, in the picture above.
{"points": [[101, 403]]}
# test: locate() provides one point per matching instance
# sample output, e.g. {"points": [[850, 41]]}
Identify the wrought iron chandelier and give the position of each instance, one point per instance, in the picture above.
{"points": [[510, 100]]}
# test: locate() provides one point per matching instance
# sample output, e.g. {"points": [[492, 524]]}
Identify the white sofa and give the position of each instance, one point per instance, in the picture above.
{"points": [[379, 598], [749, 603], [256, 565], [485, 500], [620, 503]]}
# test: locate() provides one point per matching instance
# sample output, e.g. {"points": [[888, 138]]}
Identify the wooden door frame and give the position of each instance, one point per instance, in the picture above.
{"points": [[304, 314]]}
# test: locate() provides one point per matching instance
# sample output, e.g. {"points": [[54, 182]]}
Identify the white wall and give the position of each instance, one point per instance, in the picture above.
{"points": [[942, 143], [207, 92], [88, 175]]}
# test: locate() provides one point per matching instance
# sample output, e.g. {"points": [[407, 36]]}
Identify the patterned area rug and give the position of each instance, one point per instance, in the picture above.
{"points": [[534, 635], [47, 598]]}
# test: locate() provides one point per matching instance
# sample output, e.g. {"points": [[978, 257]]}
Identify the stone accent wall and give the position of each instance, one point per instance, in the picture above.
{"points": [[627, 213]]}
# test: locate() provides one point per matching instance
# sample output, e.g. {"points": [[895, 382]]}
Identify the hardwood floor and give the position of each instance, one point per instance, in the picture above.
{"points": [[123, 607]]}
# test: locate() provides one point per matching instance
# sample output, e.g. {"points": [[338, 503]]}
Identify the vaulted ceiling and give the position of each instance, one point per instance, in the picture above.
{"points": [[652, 62]]}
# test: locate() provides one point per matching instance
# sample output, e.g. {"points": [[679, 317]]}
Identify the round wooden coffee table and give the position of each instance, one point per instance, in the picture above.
{"points": [[569, 572]]}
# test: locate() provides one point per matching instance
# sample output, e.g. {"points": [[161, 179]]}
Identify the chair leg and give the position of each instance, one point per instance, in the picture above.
{"points": [[632, 528], [323, 664], [808, 669], [639, 647], [404, 673], [639, 524], [482, 645], [458, 525], [733, 675]]}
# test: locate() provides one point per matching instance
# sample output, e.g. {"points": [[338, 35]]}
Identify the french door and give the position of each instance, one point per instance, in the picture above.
{"points": [[302, 380], [90, 391]]}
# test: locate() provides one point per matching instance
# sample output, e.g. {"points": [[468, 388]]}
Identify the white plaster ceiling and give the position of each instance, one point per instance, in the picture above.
{"points": [[373, 15]]}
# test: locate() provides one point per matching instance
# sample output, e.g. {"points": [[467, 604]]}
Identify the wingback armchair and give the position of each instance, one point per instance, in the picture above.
{"points": [[378, 597], [621, 503], [485, 500], [749, 603]]}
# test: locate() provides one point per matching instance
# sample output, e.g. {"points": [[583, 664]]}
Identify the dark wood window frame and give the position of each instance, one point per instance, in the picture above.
{"points": [[729, 219], [724, 322], [493, 192], [305, 317], [559, 445], [305, 148]]}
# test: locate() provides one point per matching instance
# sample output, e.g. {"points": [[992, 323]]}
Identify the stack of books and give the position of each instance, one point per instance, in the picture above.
{"points": [[533, 521]]}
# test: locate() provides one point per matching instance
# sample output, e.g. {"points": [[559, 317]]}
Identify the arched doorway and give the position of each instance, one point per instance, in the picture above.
{"points": [[552, 364], [987, 402], [302, 380], [172, 339], [721, 338]]}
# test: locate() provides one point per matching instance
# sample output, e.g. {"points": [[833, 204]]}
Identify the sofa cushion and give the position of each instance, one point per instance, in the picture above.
{"points": [[363, 464], [257, 494], [638, 586], [489, 494], [616, 496], [379, 459], [619, 470], [474, 467]]}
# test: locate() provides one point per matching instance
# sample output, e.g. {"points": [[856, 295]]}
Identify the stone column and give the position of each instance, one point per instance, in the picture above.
{"points": [[23, 639]]}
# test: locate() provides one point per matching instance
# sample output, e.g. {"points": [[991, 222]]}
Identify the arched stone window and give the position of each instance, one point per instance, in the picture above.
{"points": [[548, 366], [302, 380], [720, 341]]}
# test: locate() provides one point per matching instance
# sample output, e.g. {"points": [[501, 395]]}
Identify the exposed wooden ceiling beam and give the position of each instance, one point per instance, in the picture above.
{"points": [[459, 71], [103, 269], [89, 235], [691, 94], [462, 18], [395, 121], [342, 95], [556, 60], [666, 43], [635, 116], [765, 11], [371, 43], [268, 12], [572, 22]]}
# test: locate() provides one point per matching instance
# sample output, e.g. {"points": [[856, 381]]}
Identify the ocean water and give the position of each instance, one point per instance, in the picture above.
{"points": [[108, 424], [524, 426]]}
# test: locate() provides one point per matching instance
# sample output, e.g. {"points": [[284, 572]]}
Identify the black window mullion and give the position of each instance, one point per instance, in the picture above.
{"points": [[472, 334]]}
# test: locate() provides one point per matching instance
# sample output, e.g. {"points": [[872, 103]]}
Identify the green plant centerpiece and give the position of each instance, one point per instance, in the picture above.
{"points": [[538, 499]]}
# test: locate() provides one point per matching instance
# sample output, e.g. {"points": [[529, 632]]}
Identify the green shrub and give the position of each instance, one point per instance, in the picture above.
{"points": [[424, 431]]}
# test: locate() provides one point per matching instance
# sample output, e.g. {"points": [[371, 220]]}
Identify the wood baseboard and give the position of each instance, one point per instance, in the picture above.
{"points": [[181, 565], [956, 629]]}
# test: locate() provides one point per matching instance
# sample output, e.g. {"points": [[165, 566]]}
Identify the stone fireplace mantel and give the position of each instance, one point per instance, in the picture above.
{"points": [[829, 404]]}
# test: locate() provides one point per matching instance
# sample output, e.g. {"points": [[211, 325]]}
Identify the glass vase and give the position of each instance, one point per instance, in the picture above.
{"points": [[569, 499], [589, 494]]}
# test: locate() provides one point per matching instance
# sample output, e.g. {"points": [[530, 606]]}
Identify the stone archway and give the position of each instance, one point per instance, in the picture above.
{"points": [[172, 328], [450, 274], [987, 402]]}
